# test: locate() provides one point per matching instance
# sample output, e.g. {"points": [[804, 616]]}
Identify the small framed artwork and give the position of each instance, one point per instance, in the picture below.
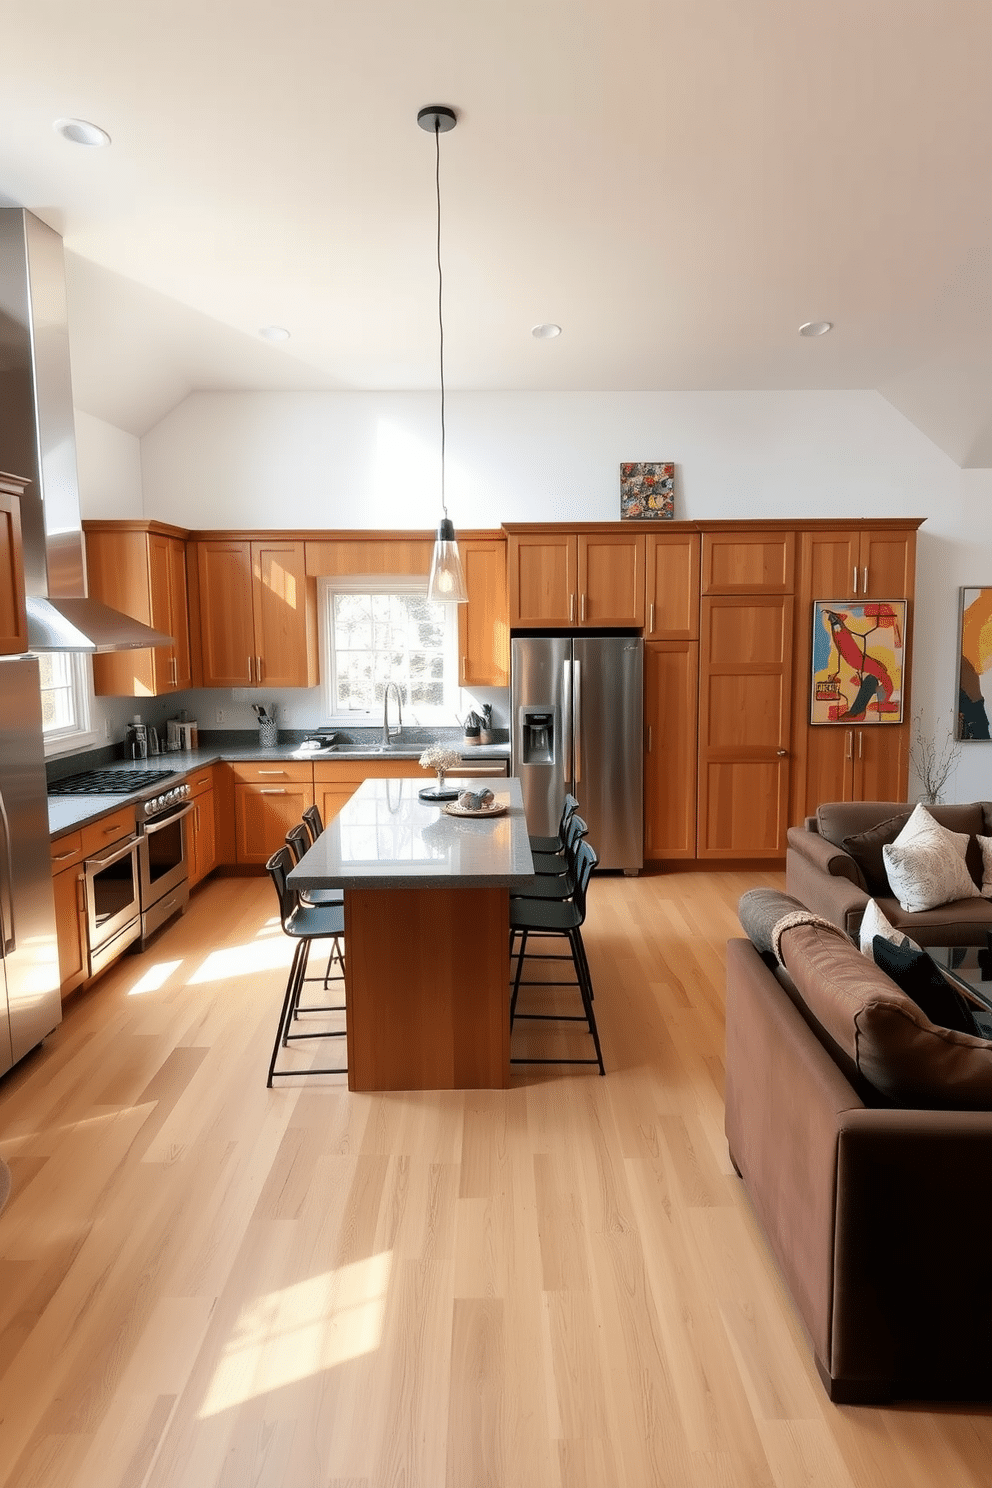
{"points": [[858, 659], [975, 665], [647, 489]]}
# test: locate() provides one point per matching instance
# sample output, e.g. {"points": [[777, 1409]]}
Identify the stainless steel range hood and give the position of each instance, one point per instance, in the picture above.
{"points": [[37, 440]]}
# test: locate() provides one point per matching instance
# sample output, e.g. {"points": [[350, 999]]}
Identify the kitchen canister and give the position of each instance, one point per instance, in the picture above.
{"points": [[268, 734]]}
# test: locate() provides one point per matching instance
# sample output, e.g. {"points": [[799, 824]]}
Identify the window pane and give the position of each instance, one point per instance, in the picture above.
{"points": [[387, 637], [58, 698]]}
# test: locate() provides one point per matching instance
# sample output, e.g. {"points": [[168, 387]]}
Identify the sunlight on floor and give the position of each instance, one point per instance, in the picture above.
{"points": [[242, 960], [300, 1331], [154, 978]]}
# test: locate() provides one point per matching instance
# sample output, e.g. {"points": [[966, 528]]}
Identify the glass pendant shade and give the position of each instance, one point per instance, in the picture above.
{"points": [[446, 584]]}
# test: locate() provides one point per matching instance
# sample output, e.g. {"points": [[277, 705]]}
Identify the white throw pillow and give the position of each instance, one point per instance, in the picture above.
{"points": [[926, 864], [985, 843], [874, 922]]}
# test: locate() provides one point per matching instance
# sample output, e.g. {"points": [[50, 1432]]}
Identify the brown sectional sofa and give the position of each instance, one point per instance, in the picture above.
{"points": [[824, 876], [863, 1135]]}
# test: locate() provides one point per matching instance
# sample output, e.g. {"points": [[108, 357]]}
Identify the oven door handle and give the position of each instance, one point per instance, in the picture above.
{"points": [[174, 816], [97, 865]]}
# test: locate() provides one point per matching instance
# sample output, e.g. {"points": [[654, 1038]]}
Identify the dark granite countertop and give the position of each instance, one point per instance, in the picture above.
{"points": [[66, 813]]}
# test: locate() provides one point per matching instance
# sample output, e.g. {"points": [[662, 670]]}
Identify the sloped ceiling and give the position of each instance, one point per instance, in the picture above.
{"points": [[678, 185]]}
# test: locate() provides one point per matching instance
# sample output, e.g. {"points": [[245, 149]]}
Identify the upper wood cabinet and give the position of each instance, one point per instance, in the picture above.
{"points": [[140, 569], [484, 623], [867, 563], [748, 561], [592, 579], [671, 586], [257, 614], [13, 620]]}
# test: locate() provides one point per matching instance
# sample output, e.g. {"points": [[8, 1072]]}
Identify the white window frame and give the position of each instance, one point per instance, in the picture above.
{"points": [[81, 734], [383, 584]]}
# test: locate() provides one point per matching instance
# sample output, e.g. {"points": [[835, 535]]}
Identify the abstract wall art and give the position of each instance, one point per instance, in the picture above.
{"points": [[647, 489], [975, 665], [858, 656]]}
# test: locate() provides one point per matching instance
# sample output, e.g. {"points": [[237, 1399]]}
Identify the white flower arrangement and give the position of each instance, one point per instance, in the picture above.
{"points": [[439, 758]]}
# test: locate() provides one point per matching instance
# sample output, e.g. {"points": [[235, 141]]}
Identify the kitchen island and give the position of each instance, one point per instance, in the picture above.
{"points": [[426, 933]]}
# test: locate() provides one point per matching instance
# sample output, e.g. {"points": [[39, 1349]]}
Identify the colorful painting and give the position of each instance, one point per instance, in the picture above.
{"points": [[858, 654], [647, 488], [975, 668]]}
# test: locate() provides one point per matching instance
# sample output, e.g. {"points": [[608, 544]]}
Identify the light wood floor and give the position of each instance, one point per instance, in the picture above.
{"points": [[203, 1282]]}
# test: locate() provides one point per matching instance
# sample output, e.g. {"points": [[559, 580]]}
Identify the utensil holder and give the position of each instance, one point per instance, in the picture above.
{"points": [[268, 735]]}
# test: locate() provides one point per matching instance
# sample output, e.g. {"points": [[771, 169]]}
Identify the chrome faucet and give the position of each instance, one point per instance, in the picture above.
{"points": [[386, 732]]}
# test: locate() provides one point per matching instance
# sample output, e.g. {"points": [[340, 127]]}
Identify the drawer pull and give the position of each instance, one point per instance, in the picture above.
{"points": [[61, 857], [270, 790], [272, 772]]}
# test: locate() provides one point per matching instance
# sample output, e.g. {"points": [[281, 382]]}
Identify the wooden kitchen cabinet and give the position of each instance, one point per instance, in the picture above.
{"points": [[672, 586], [592, 578], [201, 825], [335, 782], [13, 619], [484, 623], [854, 764], [748, 560], [269, 798], [858, 564], [257, 612], [140, 569], [70, 918], [671, 679], [745, 699]]}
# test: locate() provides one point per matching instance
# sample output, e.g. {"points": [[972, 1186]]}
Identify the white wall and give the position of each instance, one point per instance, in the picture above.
{"points": [[371, 459], [108, 462]]}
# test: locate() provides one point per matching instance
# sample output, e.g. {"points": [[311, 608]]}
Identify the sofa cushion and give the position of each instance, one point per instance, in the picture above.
{"points": [[918, 975], [866, 850], [880, 1031], [873, 923], [926, 864], [759, 911], [985, 843]]}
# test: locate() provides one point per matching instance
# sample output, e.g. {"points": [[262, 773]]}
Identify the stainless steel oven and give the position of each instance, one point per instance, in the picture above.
{"points": [[164, 865], [111, 882]]}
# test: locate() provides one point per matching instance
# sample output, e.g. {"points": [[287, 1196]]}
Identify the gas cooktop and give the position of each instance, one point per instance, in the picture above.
{"points": [[107, 782]]}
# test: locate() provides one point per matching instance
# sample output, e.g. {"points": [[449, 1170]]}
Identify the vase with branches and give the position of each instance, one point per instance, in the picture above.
{"points": [[934, 758]]}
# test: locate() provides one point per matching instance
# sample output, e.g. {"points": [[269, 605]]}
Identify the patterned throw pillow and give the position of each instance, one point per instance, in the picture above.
{"points": [[874, 922], [926, 864], [985, 843]]}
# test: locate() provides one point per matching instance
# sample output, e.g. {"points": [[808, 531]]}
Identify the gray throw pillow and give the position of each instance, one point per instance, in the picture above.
{"points": [[866, 850], [759, 911]]}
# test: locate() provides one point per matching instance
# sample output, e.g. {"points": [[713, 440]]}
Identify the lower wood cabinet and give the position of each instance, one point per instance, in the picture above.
{"points": [[201, 825], [269, 798], [70, 918], [334, 783], [853, 764], [671, 672]]}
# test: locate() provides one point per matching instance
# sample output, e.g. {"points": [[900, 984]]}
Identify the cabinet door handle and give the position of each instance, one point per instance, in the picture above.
{"points": [[61, 857], [864, 580], [855, 580], [651, 619], [258, 670], [582, 610], [848, 744], [81, 894], [463, 671], [861, 744], [196, 816], [649, 738], [571, 609], [272, 790], [271, 772], [250, 675]]}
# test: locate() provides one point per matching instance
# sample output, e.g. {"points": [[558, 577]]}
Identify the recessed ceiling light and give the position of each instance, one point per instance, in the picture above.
{"points": [[274, 333], [545, 332], [816, 328], [81, 132]]}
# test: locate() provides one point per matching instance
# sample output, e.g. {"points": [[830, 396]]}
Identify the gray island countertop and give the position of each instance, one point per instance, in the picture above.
{"points": [[385, 837]]}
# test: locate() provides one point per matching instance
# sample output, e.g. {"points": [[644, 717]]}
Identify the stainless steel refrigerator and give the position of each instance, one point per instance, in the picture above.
{"points": [[577, 724], [30, 1004]]}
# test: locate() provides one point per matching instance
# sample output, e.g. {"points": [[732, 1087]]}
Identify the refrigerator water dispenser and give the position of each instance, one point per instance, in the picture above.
{"points": [[537, 732]]}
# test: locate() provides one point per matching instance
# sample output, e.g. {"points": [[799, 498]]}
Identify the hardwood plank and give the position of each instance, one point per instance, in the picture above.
{"points": [[559, 1283]]}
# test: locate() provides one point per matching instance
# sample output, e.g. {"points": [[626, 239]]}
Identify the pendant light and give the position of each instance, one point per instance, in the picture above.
{"points": [[446, 582]]}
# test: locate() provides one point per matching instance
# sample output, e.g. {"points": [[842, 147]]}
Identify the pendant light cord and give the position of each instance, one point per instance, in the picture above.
{"points": [[440, 286]]}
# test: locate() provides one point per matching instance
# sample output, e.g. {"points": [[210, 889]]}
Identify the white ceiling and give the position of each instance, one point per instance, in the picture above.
{"points": [[678, 183]]}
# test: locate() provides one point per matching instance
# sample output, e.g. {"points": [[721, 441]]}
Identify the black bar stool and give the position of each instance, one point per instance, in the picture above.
{"points": [[556, 843], [305, 923], [560, 918]]}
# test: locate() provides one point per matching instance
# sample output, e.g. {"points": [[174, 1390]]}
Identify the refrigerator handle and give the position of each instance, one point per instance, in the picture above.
{"points": [[577, 718], [566, 721], [8, 943]]}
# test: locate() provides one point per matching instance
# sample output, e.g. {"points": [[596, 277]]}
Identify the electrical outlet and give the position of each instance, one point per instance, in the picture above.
{"points": [[220, 715]]}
